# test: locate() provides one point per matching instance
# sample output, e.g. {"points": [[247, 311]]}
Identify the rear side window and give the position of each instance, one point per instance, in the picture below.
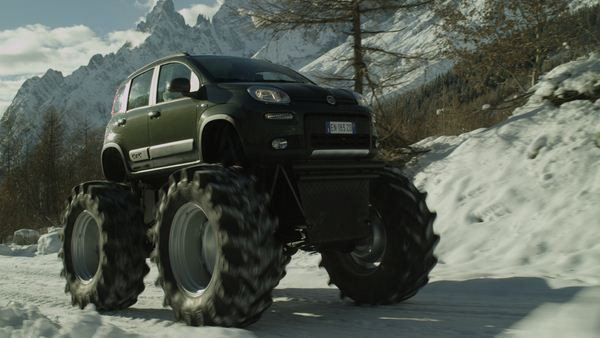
{"points": [[120, 102], [169, 72], [139, 94]]}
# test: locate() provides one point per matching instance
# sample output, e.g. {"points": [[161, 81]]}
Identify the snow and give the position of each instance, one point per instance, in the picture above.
{"points": [[17, 250], [18, 320], [521, 198], [518, 216], [46, 244], [559, 320], [584, 79], [49, 243]]}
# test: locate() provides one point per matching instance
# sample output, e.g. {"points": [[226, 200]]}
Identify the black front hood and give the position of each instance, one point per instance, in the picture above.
{"points": [[299, 92]]}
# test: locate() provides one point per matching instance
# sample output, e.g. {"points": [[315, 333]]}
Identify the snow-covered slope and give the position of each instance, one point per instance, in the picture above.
{"points": [[519, 253], [523, 198]]}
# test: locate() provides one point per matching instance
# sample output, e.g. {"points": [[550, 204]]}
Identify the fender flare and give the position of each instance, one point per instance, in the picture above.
{"points": [[213, 118], [115, 146]]}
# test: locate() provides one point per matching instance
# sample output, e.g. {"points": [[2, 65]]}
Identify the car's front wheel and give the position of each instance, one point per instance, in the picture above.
{"points": [[215, 247], [394, 262]]}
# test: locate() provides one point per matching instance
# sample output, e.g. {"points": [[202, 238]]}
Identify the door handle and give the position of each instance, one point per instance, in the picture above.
{"points": [[121, 122], [154, 114]]}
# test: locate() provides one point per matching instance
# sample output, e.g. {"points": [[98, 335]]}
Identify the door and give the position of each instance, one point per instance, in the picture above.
{"points": [[134, 124], [173, 119]]}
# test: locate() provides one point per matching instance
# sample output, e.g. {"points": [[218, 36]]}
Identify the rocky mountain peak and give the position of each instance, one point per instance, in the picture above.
{"points": [[162, 17]]}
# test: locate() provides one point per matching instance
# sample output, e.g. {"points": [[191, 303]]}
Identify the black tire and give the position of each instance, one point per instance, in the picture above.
{"points": [[248, 262], [114, 257], [400, 263]]}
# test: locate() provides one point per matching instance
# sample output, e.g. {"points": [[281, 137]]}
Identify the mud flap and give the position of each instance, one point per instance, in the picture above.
{"points": [[336, 209]]}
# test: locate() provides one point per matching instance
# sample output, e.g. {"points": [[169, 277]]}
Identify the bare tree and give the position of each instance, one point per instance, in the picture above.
{"points": [[81, 156], [501, 37], [47, 167], [349, 17]]}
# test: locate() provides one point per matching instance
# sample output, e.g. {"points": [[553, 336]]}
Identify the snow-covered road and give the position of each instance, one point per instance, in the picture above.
{"points": [[305, 306]]}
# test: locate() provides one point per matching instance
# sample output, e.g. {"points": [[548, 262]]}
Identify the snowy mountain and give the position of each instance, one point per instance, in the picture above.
{"points": [[519, 255], [85, 96]]}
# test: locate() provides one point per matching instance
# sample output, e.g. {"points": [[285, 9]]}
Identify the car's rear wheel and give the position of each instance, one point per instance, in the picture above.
{"points": [[104, 246]]}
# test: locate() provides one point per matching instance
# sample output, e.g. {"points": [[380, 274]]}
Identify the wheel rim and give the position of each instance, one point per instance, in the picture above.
{"points": [[85, 247], [369, 253], [192, 249]]}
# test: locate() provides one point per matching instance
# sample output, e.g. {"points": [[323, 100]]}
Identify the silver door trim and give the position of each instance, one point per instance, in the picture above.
{"points": [[339, 152], [171, 148]]}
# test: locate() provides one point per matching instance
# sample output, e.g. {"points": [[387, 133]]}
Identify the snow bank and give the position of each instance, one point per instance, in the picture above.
{"points": [[577, 318], [17, 250], [26, 237], [17, 320], [522, 198], [49, 243], [581, 76]]}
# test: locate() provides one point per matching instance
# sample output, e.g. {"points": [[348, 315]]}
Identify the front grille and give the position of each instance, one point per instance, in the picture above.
{"points": [[328, 141], [313, 99]]}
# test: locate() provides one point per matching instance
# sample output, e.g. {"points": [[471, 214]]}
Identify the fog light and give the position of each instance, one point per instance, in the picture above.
{"points": [[279, 143], [279, 116]]}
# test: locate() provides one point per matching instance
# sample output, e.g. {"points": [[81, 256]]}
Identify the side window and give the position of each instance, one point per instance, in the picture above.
{"points": [[139, 94], [120, 102], [169, 72]]}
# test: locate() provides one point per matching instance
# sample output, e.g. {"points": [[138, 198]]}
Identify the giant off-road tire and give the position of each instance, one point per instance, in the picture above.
{"points": [[217, 256], [395, 261], [104, 246]]}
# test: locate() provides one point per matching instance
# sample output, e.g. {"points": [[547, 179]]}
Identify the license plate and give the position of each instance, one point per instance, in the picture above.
{"points": [[336, 127]]}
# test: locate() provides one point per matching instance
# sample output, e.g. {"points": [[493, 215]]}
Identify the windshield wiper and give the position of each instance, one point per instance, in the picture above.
{"points": [[284, 81]]}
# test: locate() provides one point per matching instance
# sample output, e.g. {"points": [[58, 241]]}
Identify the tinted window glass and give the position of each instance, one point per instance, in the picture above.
{"points": [[230, 69], [120, 102], [140, 91], [167, 74]]}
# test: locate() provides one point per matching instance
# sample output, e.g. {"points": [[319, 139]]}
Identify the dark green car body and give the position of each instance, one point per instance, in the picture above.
{"points": [[153, 130]]}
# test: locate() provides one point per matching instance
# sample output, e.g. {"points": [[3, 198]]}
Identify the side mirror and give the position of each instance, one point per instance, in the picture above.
{"points": [[179, 85]]}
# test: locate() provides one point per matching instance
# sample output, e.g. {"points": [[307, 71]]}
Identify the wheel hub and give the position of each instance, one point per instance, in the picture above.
{"points": [[370, 252], [192, 249], [85, 247]]}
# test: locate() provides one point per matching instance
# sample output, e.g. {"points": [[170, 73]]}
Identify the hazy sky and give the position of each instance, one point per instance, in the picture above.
{"points": [[63, 34]]}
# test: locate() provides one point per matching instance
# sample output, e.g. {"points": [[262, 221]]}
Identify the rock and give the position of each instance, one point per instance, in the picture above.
{"points": [[49, 243], [26, 237]]}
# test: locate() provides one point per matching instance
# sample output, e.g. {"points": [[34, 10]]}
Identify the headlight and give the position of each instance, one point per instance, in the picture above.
{"points": [[361, 100], [269, 95]]}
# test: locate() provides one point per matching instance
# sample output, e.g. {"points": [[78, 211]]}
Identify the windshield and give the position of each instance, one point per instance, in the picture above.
{"points": [[231, 69]]}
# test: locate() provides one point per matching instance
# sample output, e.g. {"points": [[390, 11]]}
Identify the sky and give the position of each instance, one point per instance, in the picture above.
{"points": [[63, 34]]}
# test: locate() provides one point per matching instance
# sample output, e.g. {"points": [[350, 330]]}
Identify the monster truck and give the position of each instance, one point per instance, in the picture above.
{"points": [[221, 168]]}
